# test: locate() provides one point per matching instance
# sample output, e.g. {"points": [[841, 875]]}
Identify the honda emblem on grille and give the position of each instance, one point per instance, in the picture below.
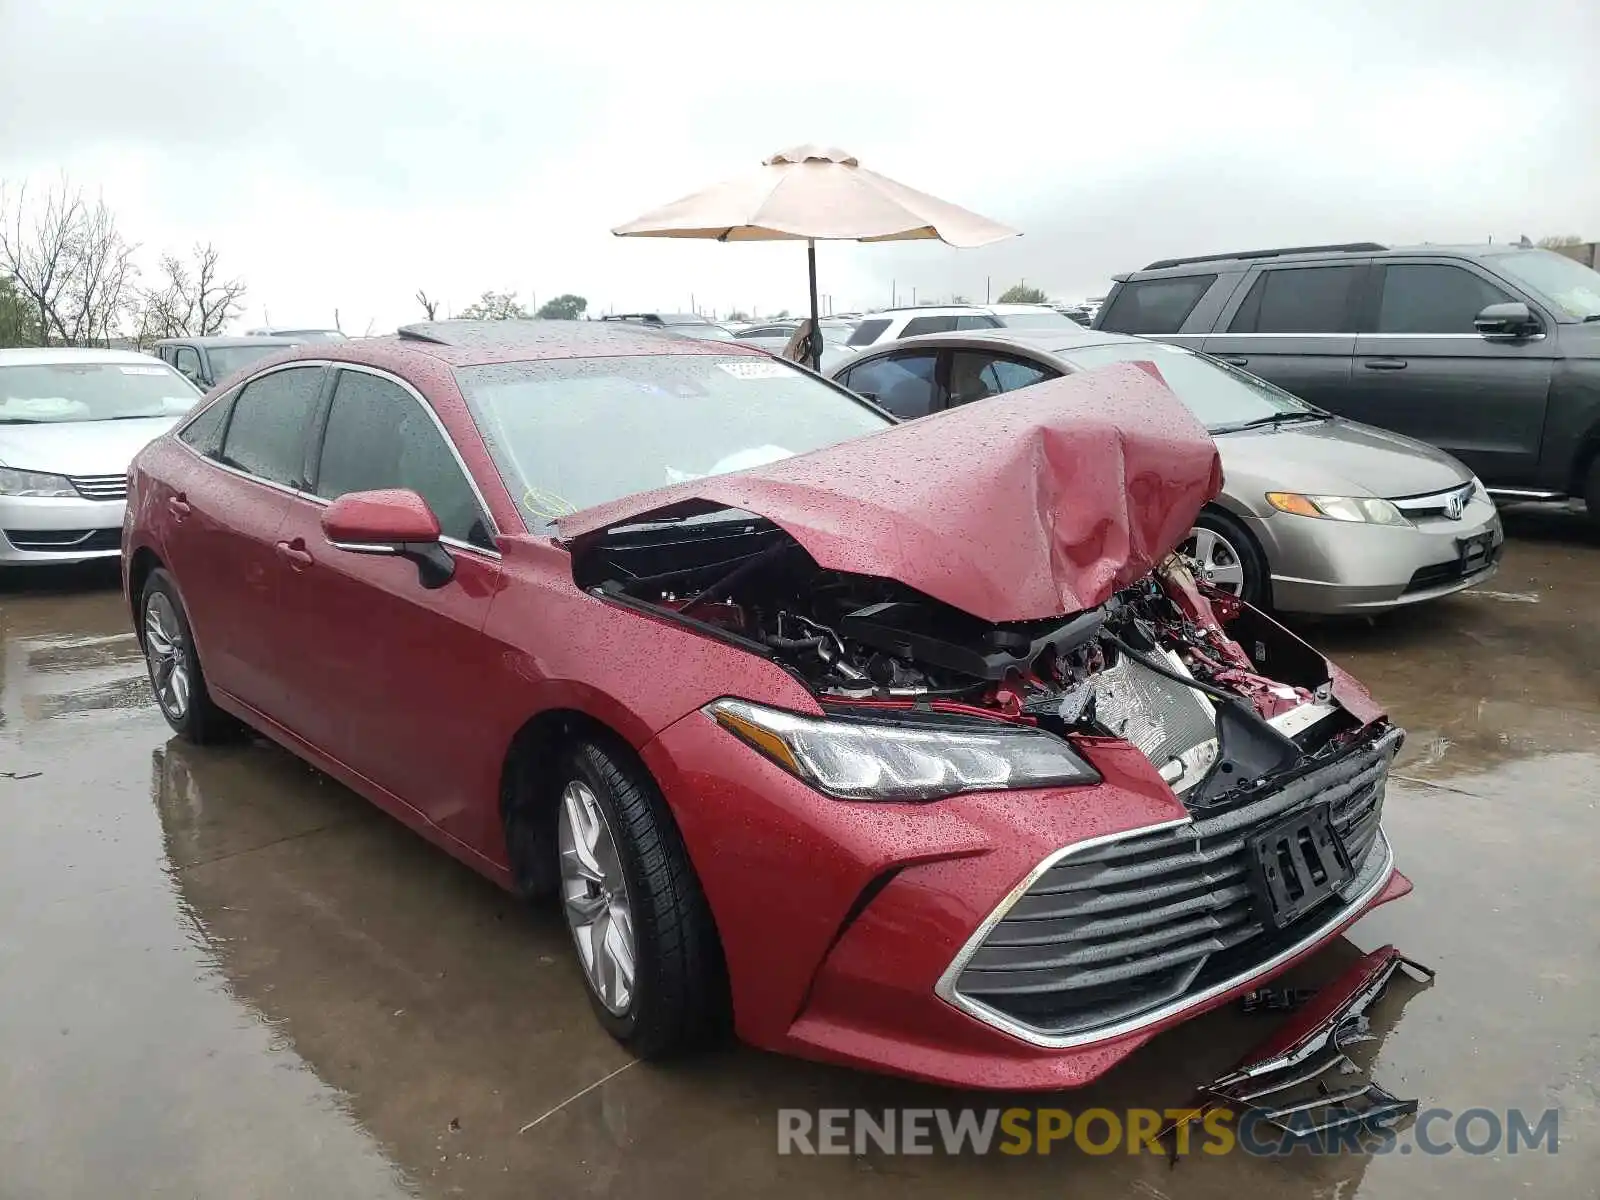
{"points": [[1455, 504]]}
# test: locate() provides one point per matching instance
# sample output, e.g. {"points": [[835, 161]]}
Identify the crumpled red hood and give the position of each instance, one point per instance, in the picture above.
{"points": [[1032, 505]]}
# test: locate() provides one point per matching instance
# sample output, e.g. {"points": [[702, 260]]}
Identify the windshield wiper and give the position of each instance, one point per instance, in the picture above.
{"points": [[23, 421], [1274, 419], [1590, 317]]}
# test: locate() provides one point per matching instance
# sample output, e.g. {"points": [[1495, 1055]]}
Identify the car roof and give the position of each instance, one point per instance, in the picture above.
{"points": [[927, 310], [37, 356], [229, 341], [1043, 341], [1195, 264], [478, 343]]}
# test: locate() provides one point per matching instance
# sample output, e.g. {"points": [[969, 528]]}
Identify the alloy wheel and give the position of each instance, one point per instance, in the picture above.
{"points": [[595, 896], [1218, 557], [167, 652]]}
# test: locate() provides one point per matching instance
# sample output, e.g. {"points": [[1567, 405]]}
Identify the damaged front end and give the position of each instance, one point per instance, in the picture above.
{"points": [[933, 681]]}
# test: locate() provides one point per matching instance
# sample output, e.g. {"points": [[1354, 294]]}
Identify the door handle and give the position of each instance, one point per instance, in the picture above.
{"points": [[295, 554], [178, 506], [1385, 364], [1235, 360]]}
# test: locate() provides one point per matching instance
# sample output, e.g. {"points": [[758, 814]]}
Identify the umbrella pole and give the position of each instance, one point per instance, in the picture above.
{"points": [[814, 350]]}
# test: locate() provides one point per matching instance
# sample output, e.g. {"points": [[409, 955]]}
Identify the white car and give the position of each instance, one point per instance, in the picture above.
{"points": [[891, 324], [70, 423], [1032, 316]]}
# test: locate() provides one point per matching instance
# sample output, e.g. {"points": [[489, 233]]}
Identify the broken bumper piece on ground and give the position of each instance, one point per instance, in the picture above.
{"points": [[1300, 1081]]}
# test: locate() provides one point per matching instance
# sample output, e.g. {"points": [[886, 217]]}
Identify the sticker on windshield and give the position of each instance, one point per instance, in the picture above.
{"points": [[754, 368], [144, 370]]}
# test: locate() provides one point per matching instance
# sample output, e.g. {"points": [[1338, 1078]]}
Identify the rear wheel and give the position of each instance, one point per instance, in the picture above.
{"points": [[639, 922], [1591, 493], [176, 677], [1228, 556]]}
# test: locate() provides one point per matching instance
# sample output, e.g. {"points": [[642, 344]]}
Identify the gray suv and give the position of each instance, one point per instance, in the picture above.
{"points": [[1489, 352]]}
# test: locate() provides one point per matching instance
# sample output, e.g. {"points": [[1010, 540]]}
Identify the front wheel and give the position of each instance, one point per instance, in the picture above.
{"points": [[1228, 556], [639, 922]]}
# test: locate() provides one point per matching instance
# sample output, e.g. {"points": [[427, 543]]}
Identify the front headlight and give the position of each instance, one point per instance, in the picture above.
{"points": [[33, 483], [879, 760], [1366, 509]]}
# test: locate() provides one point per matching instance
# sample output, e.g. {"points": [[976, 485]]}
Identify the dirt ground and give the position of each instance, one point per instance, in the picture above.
{"points": [[222, 975]]}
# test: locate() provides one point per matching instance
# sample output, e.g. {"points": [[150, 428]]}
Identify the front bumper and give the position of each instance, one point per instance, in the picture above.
{"points": [[35, 531], [844, 924], [1321, 566]]}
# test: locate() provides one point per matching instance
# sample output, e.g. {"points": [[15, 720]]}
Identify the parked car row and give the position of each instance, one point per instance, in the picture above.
{"points": [[1491, 353]]}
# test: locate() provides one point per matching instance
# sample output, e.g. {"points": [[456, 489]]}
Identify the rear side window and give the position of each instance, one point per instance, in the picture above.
{"points": [[267, 436], [378, 436], [902, 383], [979, 321], [204, 433], [975, 375], [920, 325], [1433, 298], [1299, 300], [868, 332], [1156, 305]]}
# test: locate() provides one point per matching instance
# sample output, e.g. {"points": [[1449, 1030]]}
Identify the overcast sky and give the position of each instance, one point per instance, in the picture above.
{"points": [[343, 153]]}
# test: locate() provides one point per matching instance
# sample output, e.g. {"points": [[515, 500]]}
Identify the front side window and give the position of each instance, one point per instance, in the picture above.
{"points": [[72, 391], [1219, 396], [204, 432], [267, 435], [567, 434], [1299, 300], [902, 383], [1433, 298], [187, 360], [379, 436], [1156, 305], [978, 321], [975, 375]]}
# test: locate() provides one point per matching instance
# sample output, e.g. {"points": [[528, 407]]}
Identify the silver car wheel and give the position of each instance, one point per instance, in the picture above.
{"points": [[1218, 557], [595, 896], [167, 653]]}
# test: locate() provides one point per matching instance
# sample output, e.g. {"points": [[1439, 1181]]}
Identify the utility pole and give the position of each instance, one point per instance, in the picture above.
{"points": [[986, 289], [913, 295]]}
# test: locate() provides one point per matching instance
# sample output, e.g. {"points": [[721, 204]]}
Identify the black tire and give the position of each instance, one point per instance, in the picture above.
{"points": [[679, 995], [1591, 494], [1256, 584], [198, 720]]}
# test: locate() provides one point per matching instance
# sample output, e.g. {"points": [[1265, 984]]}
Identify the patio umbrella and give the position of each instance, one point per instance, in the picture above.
{"points": [[812, 194]]}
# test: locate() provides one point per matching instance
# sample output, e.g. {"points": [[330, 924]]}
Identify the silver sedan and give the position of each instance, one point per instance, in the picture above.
{"points": [[70, 423], [1317, 514]]}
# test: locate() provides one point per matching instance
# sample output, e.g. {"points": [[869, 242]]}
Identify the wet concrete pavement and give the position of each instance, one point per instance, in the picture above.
{"points": [[223, 975]]}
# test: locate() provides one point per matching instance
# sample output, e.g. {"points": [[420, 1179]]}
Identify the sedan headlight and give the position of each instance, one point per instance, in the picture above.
{"points": [[1365, 509], [34, 483], [880, 760]]}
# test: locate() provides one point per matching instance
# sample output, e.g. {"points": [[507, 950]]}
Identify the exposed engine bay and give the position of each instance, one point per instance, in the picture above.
{"points": [[1152, 665]]}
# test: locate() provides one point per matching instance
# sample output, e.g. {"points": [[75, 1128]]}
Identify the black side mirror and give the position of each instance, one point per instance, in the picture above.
{"points": [[1513, 319]]}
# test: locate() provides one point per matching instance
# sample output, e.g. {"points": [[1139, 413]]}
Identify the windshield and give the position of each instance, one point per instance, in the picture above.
{"points": [[225, 360], [1221, 397], [1564, 282], [92, 391], [1038, 320], [572, 433]]}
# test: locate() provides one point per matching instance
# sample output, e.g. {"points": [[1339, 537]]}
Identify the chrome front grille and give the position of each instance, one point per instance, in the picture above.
{"points": [[1136, 923], [100, 487], [1445, 505]]}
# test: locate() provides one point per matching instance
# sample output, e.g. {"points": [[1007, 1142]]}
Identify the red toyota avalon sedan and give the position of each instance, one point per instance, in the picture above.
{"points": [[908, 746]]}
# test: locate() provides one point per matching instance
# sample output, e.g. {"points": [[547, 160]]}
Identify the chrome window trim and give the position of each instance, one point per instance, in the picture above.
{"points": [[1477, 337], [454, 543], [945, 989]]}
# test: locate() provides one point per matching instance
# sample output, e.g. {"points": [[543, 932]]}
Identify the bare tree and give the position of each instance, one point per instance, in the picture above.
{"points": [[192, 300], [70, 260], [431, 307], [1565, 241]]}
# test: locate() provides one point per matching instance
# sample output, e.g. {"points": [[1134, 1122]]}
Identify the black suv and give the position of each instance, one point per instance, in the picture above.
{"points": [[1490, 352]]}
